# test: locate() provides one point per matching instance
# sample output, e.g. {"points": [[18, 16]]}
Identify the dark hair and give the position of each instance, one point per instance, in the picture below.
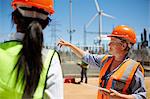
{"points": [[30, 57]]}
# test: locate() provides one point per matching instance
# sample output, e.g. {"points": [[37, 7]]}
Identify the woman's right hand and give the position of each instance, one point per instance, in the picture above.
{"points": [[79, 52], [63, 43]]}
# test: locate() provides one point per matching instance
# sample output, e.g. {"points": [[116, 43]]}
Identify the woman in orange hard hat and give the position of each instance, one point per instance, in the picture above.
{"points": [[120, 76], [28, 70]]}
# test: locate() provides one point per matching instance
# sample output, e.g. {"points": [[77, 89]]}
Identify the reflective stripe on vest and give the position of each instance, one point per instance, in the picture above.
{"points": [[106, 66], [103, 70], [8, 87], [123, 75]]}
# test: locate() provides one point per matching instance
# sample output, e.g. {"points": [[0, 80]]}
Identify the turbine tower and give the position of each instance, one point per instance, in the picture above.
{"points": [[70, 21], [99, 13]]}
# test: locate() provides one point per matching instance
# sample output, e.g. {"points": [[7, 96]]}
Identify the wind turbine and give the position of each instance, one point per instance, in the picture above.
{"points": [[99, 13]]}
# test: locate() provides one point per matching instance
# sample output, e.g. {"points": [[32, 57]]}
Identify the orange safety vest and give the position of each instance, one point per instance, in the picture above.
{"points": [[123, 74]]}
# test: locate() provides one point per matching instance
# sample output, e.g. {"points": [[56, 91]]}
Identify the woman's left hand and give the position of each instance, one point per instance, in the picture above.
{"points": [[115, 94]]}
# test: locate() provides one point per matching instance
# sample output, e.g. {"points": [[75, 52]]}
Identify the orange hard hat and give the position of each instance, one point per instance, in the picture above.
{"points": [[46, 5], [124, 32]]}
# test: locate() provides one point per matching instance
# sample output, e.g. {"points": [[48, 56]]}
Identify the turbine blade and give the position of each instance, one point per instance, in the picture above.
{"points": [[87, 25], [107, 15], [97, 6]]}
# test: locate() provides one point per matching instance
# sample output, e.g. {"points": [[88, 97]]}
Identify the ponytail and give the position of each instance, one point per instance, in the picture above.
{"points": [[32, 57]]}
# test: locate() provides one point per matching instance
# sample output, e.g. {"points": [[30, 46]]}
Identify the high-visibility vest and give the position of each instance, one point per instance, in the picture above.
{"points": [[121, 78], [9, 89], [84, 65]]}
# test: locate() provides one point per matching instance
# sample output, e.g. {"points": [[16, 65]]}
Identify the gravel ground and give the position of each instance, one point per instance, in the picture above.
{"points": [[79, 91]]}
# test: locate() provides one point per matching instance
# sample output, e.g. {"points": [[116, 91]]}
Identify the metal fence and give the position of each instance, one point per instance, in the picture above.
{"points": [[70, 67]]}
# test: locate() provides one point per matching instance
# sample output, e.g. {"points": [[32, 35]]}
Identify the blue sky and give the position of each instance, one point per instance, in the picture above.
{"points": [[135, 13]]}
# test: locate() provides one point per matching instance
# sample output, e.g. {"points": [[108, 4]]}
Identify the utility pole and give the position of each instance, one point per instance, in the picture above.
{"points": [[84, 35], [70, 21], [70, 25]]}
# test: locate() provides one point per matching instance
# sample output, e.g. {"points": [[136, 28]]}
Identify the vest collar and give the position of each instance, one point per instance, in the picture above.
{"points": [[17, 36]]}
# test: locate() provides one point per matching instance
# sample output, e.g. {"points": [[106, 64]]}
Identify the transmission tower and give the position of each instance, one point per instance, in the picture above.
{"points": [[54, 30]]}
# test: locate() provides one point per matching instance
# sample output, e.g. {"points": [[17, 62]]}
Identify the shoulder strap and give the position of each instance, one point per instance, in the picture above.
{"points": [[58, 55], [104, 58], [47, 71], [54, 52], [39, 93], [9, 44], [8, 57]]}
